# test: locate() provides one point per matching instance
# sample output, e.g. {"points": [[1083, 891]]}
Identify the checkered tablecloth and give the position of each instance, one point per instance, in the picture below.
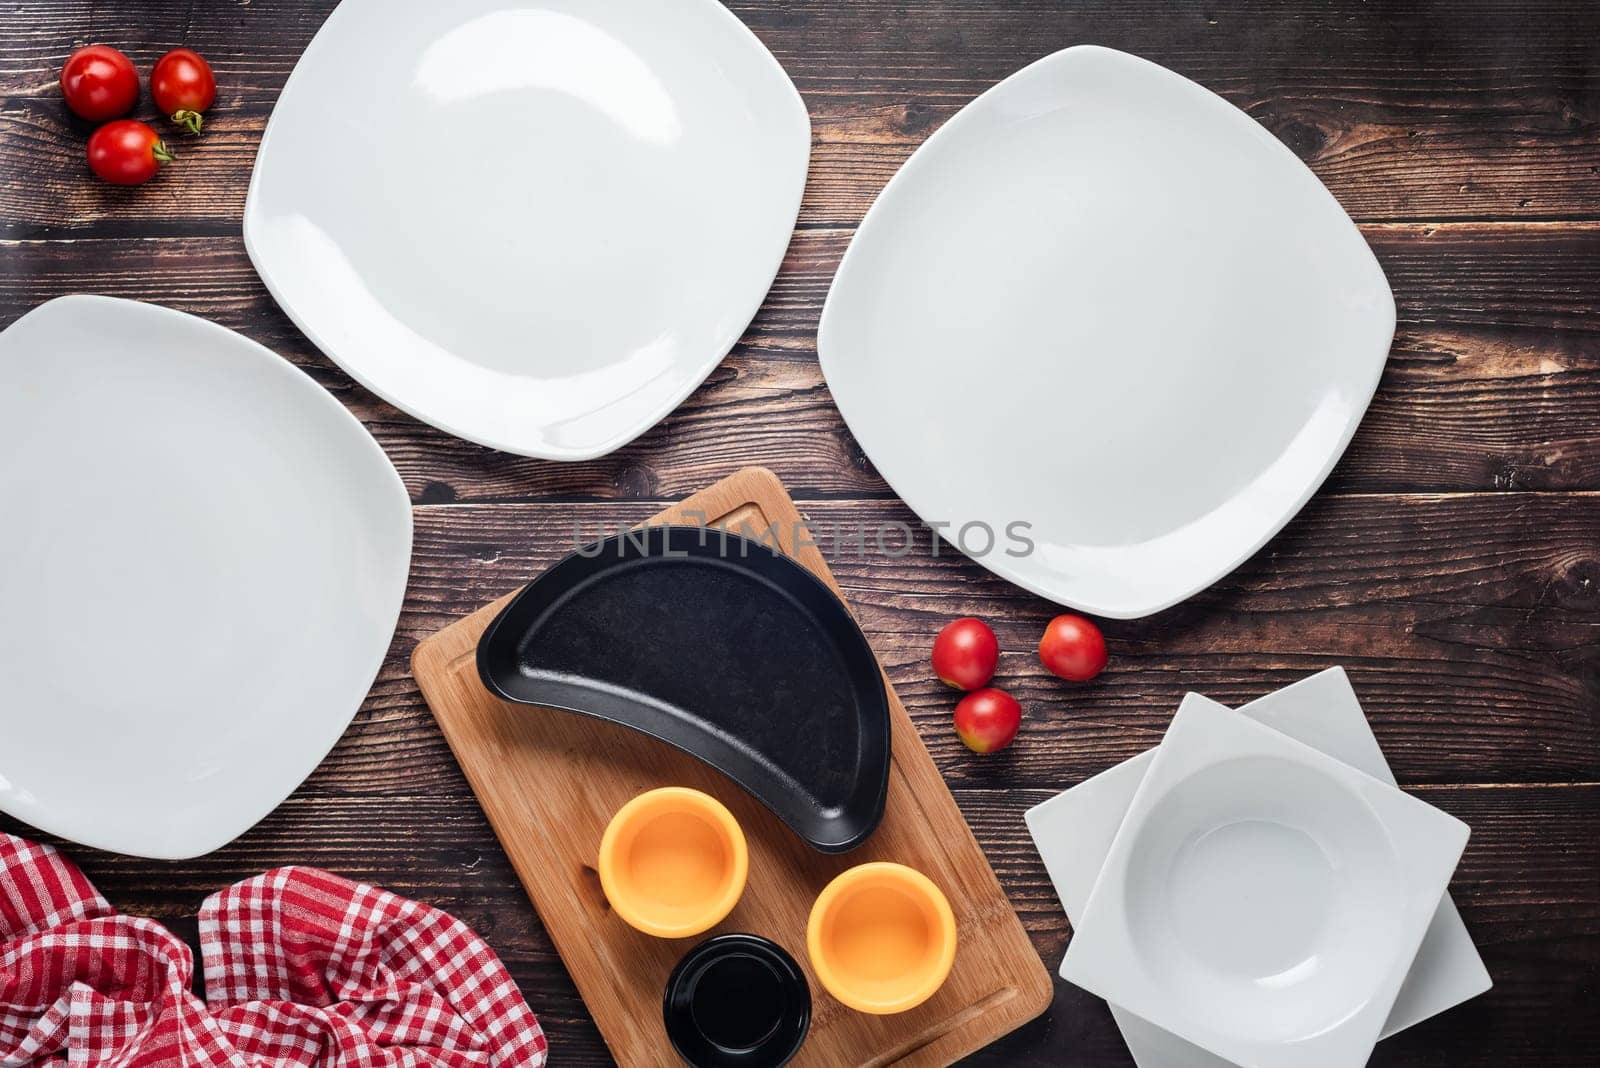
{"points": [[301, 968]]}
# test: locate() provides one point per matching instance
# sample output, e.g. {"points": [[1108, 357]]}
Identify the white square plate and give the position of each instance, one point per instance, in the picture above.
{"points": [[202, 562], [1104, 302], [1074, 830], [1262, 900], [536, 224]]}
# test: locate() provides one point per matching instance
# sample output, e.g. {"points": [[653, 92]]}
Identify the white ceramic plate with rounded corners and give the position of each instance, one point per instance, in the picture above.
{"points": [[535, 224], [1074, 830], [201, 566], [1104, 302], [1262, 900]]}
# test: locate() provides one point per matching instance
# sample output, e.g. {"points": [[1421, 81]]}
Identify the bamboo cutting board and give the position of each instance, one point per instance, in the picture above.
{"points": [[549, 782]]}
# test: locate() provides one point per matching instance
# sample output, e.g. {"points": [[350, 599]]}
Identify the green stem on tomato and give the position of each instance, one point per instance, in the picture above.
{"points": [[161, 152], [190, 121]]}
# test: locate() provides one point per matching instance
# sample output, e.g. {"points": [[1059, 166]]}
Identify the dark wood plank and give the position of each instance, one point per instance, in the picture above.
{"points": [[1467, 624], [1493, 382], [1528, 887], [1410, 111]]}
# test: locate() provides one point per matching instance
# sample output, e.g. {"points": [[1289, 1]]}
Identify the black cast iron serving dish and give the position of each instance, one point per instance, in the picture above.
{"points": [[720, 646]]}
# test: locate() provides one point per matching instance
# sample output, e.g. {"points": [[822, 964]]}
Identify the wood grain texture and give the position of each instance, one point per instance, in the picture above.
{"points": [[1493, 382], [1528, 887], [1450, 563], [1468, 624], [1406, 110], [550, 781]]}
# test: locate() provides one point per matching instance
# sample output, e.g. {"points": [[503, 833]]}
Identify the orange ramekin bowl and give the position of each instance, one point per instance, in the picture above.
{"points": [[673, 862], [881, 938]]}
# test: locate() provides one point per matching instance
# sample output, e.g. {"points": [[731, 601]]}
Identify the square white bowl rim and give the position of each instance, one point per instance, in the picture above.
{"points": [[1205, 734], [1073, 832]]}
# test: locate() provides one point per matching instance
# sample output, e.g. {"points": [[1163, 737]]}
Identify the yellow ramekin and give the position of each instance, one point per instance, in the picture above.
{"points": [[673, 862], [881, 938]]}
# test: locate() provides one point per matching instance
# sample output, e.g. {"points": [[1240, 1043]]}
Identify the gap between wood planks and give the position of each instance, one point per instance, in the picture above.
{"points": [[143, 230], [956, 788], [890, 495]]}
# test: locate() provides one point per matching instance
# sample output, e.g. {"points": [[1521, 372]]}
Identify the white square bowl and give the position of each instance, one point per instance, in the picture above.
{"points": [[1104, 303], [1262, 900], [1074, 831], [535, 224]]}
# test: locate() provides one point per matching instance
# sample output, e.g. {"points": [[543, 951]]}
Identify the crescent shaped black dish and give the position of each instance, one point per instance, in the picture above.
{"points": [[720, 646]]}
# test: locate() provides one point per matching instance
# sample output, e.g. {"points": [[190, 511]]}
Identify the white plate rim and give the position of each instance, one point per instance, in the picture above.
{"points": [[394, 597], [1132, 609], [628, 432]]}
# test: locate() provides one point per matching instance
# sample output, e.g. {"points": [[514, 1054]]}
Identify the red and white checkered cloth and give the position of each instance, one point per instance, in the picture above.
{"points": [[302, 968]]}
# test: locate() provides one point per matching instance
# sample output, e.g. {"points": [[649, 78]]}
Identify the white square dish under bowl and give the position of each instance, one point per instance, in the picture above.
{"points": [[201, 567], [535, 224], [1103, 301], [1074, 830], [1261, 899]]}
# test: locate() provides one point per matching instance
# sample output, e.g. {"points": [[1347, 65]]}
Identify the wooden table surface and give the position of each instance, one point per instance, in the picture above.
{"points": [[1451, 564]]}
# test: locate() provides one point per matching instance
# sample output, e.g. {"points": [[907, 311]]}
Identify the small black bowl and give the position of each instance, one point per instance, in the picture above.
{"points": [[737, 1001]]}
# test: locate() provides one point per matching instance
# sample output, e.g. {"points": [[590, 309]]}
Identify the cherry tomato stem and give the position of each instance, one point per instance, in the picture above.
{"points": [[189, 121]]}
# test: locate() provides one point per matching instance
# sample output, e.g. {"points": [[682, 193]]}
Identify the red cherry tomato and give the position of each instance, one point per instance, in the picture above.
{"points": [[1073, 648], [99, 83], [183, 86], [987, 720], [965, 654], [126, 152]]}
